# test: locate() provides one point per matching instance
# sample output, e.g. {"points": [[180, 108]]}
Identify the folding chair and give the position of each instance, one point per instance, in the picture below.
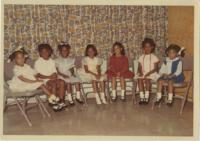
{"points": [[86, 87], [185, 86], [21, 100], [130, 84]]}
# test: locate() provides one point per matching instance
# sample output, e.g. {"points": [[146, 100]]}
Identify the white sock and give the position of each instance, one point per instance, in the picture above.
{"points": [[159, 95], [98, 101], [146, 95], [69, 95], [122, 93], [170, 96], [103, 97], [114, 93], [78, 94], [141, 94]]}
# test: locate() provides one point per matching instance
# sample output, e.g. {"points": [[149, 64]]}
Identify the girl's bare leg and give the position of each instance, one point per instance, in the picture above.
{"points": [[69, 88], [44, 88], [123, 87], [140, 85], [78, 87], [114, 83], [61, 88], [94, 85], [102, 86], [159, 89], [148, 84], [170, 90], [122, 83]]}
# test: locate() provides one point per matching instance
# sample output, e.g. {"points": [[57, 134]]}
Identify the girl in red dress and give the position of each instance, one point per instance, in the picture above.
{"points": [[118, 68]]}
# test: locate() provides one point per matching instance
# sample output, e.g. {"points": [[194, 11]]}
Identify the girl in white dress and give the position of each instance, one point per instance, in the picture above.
{"points": [[91, 72], [65, 68], [24, 78], [148, 67], [45, 67]]}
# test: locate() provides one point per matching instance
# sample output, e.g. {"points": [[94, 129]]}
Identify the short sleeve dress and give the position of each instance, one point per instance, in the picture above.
{"points": [[147, 62], [45, 67], [64, 65], [119, 65], [17, 85], [92, 66]]}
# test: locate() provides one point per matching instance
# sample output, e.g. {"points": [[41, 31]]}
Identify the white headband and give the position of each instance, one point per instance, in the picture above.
{"points": [[182, 49]]}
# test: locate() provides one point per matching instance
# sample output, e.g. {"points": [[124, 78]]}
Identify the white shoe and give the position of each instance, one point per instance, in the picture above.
{"points": [[52, 99], [98, 101], [103, 98]]}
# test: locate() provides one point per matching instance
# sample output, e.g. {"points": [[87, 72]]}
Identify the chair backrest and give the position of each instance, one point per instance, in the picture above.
{"points": [[78, 61], [104, 66], [188, 63]]}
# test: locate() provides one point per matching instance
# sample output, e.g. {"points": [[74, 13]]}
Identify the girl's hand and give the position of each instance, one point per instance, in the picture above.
{"points": [[53, 76], [65, 76], [38, 80], [140, 74], [98, 76], [146, 75]]}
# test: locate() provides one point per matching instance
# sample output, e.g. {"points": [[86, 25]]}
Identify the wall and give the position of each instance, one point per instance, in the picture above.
{"points": [[181, 29], [29, 25]]}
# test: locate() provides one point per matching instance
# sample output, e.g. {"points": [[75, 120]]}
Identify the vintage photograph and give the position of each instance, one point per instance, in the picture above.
{"points": [[103, 70]]}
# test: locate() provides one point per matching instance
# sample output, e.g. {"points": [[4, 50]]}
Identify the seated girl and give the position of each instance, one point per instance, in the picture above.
{"points": [[65, 67], [25, 79], [171, 72], [91, 72], [46, 71], [148, 67], [118, 68]]}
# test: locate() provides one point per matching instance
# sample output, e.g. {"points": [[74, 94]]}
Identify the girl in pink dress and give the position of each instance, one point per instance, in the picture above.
{"points": [[118, 68]]}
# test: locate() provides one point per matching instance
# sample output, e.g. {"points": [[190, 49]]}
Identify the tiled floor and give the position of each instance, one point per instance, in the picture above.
{"points": [[120, 118]]}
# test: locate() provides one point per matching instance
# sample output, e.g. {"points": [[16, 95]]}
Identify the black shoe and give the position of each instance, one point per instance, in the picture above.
{"points": [[71, 103], [52, 103], [169, 103], [146, 101], [62, 104], [57, 108], [157, 102], [114, 99], [141, 101], [79, 101]]}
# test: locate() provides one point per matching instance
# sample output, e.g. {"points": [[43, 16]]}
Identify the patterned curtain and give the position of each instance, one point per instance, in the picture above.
{"points": [[30, 25]]}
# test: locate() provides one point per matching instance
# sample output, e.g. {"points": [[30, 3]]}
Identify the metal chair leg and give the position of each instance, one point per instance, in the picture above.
{"points": [[23, 112], [134, 92], [43, 106], [84, 95], [40, 107], [5, 103]]}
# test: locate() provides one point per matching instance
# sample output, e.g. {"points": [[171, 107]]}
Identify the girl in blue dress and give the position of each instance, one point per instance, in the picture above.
{"points": [[171, 71]]}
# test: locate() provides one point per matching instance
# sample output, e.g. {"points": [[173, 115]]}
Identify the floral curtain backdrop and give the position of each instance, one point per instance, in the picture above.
{"points": [[30, 25]]}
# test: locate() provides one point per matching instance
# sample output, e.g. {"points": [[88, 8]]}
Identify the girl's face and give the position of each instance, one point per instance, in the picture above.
{"points": [[64, 52], [20, 59], [45, 53], [91, 53], [172, 54], [117, 50], [147, 48]]}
